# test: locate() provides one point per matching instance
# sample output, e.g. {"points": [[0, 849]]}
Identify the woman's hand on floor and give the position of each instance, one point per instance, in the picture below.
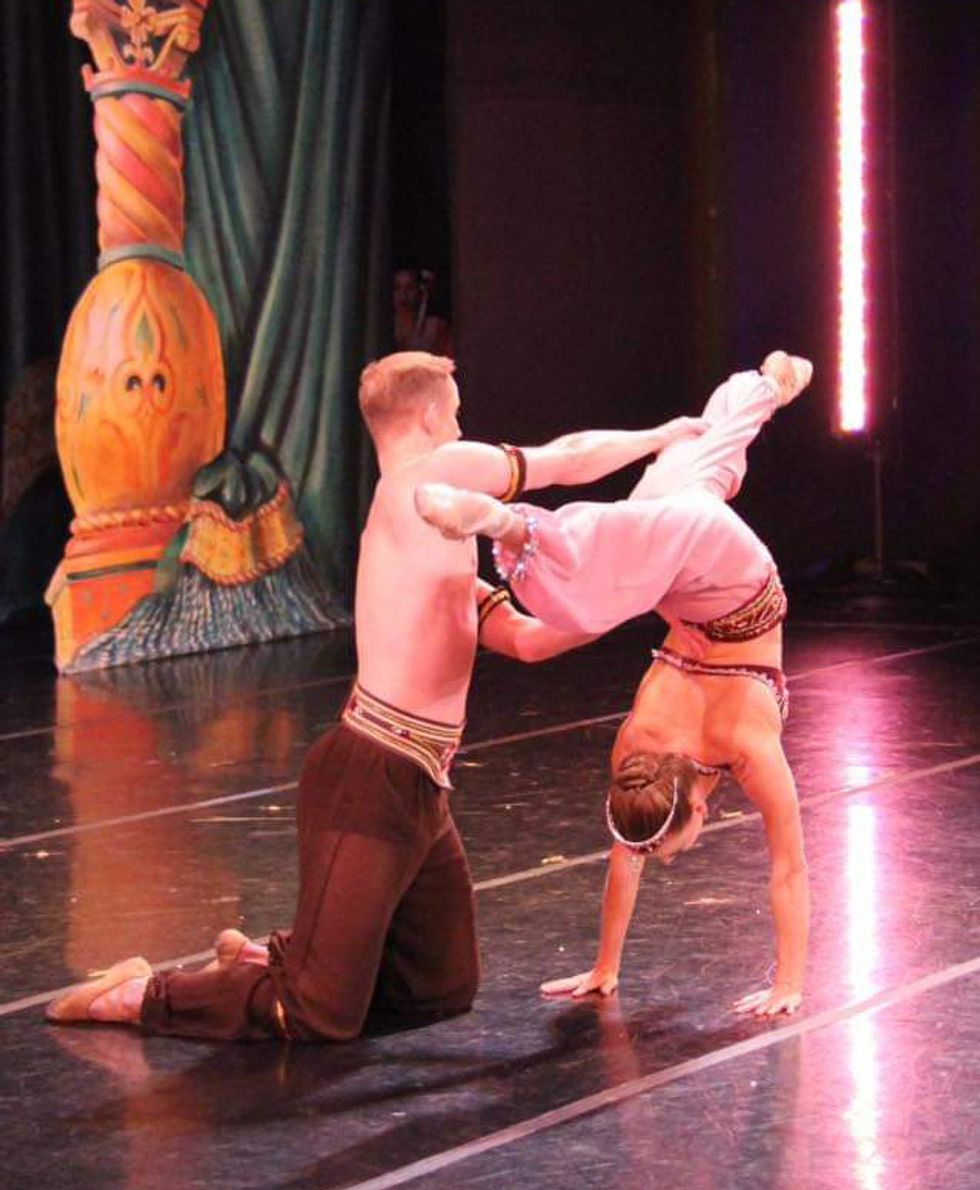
{"points": [[597, 980], [770, 1001]]}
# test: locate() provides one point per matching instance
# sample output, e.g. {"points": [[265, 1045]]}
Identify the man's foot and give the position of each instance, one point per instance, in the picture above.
{"points": [[108, 998], [792, 373], [232, 946], [229, 947], [458, 513]]}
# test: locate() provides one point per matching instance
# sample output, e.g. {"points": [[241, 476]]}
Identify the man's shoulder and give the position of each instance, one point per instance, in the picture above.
{"points": [[462, 448], [392, 505]]}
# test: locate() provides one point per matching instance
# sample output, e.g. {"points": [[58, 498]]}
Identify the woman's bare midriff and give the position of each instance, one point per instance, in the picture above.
{"points": [[764, 650]]}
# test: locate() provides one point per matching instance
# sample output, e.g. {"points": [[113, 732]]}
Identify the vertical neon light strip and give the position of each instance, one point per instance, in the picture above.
{"points": [[853, 408]]}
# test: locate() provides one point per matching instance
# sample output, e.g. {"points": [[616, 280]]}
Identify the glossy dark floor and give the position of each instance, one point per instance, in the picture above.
{"points": [[144, 809]]}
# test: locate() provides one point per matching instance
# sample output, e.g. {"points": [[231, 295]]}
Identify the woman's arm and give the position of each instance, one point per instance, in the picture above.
{"points": [[767, 779], [618, 902]]}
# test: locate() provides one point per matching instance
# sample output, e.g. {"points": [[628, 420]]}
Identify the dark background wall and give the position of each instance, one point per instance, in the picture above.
{"points": [[631, 200], [643, 200], [421, 222], [938, 262], [571, 171]]}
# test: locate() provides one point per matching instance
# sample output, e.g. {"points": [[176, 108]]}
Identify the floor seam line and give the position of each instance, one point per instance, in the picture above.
{"points": [[493, 882], [18, 841], [590, 1104], [36, 731], [814, 802]]}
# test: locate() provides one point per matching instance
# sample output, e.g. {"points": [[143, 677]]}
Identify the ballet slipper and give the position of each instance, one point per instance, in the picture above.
{"points": [[792, 373], [76, 1005], [458, 513]]}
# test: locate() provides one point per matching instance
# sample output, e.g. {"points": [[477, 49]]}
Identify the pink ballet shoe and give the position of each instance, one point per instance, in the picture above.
{"points": [[458, 513], [76, 1005], [792, 373]]}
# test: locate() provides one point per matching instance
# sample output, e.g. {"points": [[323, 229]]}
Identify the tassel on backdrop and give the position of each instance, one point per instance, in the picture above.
{"points": [[237, 573]]}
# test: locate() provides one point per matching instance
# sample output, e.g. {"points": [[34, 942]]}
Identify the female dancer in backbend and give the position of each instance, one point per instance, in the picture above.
{"points": [[714, 698]]}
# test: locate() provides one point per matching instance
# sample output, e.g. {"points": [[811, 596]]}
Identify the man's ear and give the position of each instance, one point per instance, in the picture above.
{"points": [[429, 416]]}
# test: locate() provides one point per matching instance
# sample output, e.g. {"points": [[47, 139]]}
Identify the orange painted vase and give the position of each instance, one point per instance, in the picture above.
{"points": [[141, 391]]}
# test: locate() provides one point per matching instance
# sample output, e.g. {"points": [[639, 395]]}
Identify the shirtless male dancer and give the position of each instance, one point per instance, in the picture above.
{"points": [[715, 697], [384, 922]]}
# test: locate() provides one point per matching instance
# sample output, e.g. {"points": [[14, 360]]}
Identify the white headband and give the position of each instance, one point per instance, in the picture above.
{"points": [[642, 846]]}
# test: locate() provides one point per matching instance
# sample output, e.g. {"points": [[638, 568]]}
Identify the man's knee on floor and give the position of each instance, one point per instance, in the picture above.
{"points": [[461, 998], [464, 979], [428, 994], [321, 1026]]}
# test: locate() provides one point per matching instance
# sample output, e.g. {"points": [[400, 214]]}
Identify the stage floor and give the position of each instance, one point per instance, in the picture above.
{"points": [[145, 809]]}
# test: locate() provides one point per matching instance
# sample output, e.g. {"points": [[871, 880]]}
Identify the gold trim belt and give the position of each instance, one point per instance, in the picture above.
{"points": [[753, 619], [428, 744]]}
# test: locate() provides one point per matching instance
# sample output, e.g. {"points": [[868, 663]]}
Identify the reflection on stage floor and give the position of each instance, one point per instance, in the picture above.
{"points": [[144, 809]]}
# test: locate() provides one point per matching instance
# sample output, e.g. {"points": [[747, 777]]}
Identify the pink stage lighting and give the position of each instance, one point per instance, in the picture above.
{"points": [[853, 398]]}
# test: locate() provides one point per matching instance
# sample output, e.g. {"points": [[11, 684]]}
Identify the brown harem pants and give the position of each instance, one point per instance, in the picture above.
{"points": [[385, 918]]}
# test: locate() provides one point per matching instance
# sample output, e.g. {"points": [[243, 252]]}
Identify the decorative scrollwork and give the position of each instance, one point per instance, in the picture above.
{"points": [[157, 36], [139, 20]]}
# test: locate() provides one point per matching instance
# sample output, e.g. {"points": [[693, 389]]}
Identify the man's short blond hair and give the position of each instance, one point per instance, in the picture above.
{"points": [[396, 388]]}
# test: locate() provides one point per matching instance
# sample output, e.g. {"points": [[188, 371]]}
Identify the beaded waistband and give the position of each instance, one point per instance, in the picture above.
{"points": [[429, 744], [753, 619], [773, 679]]}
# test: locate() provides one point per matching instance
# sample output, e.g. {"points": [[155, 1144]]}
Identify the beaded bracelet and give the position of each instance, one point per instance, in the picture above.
{"points": [[530, 547]]}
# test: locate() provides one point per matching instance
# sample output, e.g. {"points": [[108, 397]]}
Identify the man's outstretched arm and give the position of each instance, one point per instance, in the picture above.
{"points": [[589, 455], [577, 458], [505, 630]]}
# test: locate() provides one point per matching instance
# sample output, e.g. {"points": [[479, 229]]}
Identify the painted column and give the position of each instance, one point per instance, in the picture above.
{"points": [[141, 392]]}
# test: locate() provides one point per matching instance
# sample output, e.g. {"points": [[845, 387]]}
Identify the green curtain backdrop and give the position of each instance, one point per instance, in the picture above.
{"points": [[287, 234]]}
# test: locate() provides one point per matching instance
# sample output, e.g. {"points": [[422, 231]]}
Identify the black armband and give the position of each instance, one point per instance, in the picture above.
{"points": [[518, 471], [486, 605]]}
